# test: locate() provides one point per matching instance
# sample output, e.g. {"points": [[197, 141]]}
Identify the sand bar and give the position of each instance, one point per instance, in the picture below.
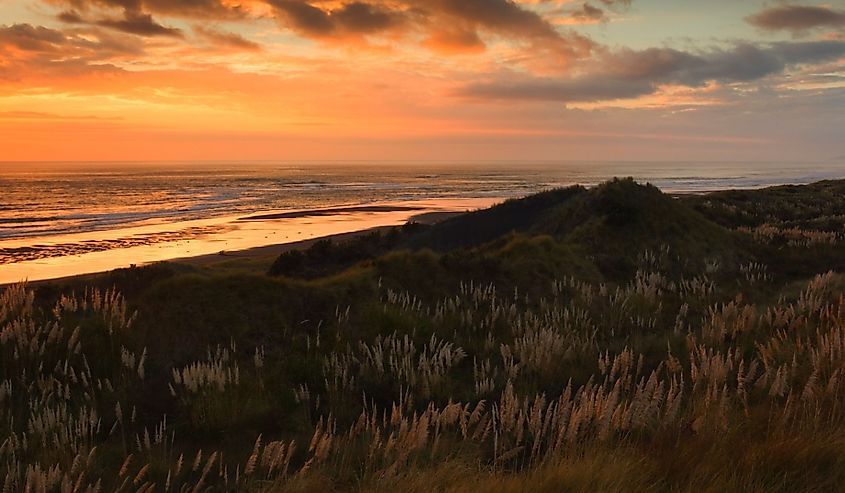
{"points": [[260, 234]]}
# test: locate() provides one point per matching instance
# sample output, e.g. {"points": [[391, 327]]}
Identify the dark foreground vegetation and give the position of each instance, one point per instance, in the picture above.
{"points": [[611, 339]]}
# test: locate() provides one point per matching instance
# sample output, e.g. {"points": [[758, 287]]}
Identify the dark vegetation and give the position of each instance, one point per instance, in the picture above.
{"points": [[605, 339], [325, 257]]}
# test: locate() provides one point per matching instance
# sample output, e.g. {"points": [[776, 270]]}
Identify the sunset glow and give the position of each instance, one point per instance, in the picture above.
{"points": [[420, 79]]}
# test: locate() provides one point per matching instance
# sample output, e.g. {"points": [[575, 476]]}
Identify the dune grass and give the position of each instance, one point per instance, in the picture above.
{"points": [[645, 346]]}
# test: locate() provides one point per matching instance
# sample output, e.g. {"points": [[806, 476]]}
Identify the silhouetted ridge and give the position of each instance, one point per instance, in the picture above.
{"points": [[525, 215], [615, 222], [620, 219]]}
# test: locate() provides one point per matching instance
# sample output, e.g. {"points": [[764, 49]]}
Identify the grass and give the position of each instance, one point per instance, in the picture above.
{"points": [[610, 339]]}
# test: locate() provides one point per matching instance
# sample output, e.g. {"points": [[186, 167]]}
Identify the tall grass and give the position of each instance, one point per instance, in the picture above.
{"points": [[502, 386]]}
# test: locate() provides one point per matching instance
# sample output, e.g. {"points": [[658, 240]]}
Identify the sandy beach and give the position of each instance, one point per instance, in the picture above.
{"points": [[255, 236], [273, 251]]}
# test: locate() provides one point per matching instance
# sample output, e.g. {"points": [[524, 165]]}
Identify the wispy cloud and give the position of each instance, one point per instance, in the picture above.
{"points": [[627, 73], [225, 39], [381, 71], [140, 24]]}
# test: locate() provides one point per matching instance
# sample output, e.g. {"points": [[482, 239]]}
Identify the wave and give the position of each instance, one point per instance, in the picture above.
{"points": [[50, 201]]}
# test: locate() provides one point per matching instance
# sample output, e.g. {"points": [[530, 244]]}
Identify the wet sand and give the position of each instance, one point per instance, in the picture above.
{"points": [[273, 251], [209, 241], [12, 254], [16, 254], [268, 251], [329, 212]]}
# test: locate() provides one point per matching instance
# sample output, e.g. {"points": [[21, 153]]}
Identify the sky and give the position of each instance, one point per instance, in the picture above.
{"points": [[686, 80]]}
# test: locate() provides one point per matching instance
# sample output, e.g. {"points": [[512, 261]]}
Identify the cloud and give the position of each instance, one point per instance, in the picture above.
{"points": [[354, 18], [454, 39], [212, 9], [797, 18], [571, 90], [617, 3], [27, 37], [543, 43], [364, 18], [90, 44], [625, 74], [27, 51], [498, 16], [139, 24], [304, 17], [226, 39], [71, 17], [134, 21], [588, 13], [196, 9], [508, 20], [571, 12], [444, 25]]}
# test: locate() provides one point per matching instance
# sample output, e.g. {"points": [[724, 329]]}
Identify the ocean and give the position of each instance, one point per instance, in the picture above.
{"points": [[55, 211]]}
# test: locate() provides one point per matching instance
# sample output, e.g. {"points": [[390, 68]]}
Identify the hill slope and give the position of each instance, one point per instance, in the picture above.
{"points": [[611, 338], [615, 222]]}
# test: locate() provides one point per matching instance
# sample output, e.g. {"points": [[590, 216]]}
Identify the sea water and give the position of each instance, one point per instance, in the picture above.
{"points": [[55, 213]]}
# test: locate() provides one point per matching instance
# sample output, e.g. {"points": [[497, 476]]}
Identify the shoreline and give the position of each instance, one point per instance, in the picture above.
{"points": [[247, 238], [256, 253], [274, 250], [212, 259], [330, 211], [267, 251], [19, 250]]}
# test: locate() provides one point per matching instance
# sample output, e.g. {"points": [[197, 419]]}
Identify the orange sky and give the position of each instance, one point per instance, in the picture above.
{"points": [[420, 79]]}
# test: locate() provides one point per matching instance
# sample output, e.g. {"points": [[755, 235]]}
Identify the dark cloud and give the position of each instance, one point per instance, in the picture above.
{"points": [[140, 25], [226, 39], [214, 9], [26, 37], [624, 4], [198, 9], [447, 25], [510, 20], [574, 90], [304, 17], [87, 44], [797, 18], [28, 51], [810, 51], [593, 11], [133, 21], [443, 25], [354, 18], [587, 12], [365, 18], [743, 62], [628, 73], [596, 10], [71, 17], [498, 16]]}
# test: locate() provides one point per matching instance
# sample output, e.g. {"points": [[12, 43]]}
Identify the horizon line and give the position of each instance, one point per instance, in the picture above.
{"points": [[411, 161]]}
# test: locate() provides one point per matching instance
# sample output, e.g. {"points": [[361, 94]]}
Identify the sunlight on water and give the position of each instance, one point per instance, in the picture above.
{"points": [[60, 219], [78, 253]]}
